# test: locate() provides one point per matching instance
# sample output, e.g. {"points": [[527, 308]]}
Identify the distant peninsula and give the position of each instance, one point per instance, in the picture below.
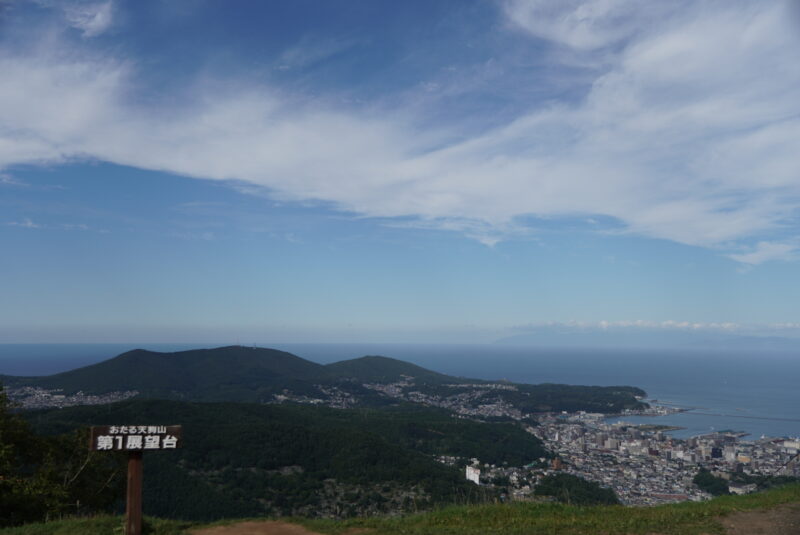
{"points": [[262, 375]]}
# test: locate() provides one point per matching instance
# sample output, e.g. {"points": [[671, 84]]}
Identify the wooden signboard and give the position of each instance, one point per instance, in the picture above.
{"points": [[135, 439]]}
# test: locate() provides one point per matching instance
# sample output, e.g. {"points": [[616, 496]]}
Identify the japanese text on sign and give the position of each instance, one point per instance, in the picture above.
{"points": [[135, 437]]}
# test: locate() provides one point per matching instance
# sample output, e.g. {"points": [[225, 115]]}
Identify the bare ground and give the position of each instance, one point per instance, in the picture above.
{"points": [[261, 528], [783, 520], [255, 528]]}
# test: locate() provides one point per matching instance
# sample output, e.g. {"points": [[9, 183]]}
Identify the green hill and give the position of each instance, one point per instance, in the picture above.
{"points": [[247, 459], [258, 375], [200, 373], [387, 370], [225, 373]]}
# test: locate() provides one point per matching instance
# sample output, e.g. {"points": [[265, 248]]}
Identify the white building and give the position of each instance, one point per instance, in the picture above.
{"points": [[474, 475]]}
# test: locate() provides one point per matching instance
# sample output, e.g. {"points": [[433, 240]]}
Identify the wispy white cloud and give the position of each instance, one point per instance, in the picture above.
{"points": [[584, 24], [24, 223], [193, 236], [788, 326], [10, 180], [640, 325], [27, 222], [310, 51], [632, 324], [75, 226], [92, 19], [766, 251], [688, 133]]}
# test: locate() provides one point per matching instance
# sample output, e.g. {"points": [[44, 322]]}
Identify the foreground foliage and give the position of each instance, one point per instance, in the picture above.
{"points": [[249, 460], [43, 477], [511, 519], [99, 525], [550, 518]]}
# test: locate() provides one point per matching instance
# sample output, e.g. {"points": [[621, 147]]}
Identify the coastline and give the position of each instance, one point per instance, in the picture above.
{"points": [[687, 423], [706, 385]]}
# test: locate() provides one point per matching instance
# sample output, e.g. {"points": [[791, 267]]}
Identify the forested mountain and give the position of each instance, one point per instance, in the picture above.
{"points": [[233, 372], [248, 459], [387, 370], [259, 375], [220, 373]]}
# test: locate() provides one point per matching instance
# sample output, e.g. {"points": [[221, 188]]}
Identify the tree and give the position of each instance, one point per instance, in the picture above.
{"points": [[19, 492], [574, 490], [716, 486], [43, 477]]}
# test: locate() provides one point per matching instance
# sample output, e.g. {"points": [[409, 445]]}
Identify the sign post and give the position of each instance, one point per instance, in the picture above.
{"points": [[133, 496], [135, 439]]}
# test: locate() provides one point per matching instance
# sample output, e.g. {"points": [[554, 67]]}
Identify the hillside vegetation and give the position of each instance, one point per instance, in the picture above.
{"points": [[246, 459], [225, 373], [377, 369], [47, 476], [710, 517], [570, 489], [687, 518], [258, 375]]}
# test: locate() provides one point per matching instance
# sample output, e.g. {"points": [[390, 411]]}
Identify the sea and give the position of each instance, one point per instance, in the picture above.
{"points": [[755, 392]]}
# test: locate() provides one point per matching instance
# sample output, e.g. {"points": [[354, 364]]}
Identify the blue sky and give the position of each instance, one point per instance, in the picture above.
{"points": [[397, 171]]}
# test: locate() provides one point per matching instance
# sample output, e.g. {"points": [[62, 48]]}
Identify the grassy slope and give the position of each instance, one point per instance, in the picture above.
{"points": [[518, 519], [515, 519], [101, 525]]}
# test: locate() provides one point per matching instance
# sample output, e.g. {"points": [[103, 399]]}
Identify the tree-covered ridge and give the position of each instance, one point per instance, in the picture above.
{"points": [[224, 373], [233, 373], [247, 459], [379, 369], [258, 375], [546, 397]]}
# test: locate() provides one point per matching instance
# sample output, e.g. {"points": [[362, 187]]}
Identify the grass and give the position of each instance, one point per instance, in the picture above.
{"points": [[549, 518], [98, 525], [510, 519]]}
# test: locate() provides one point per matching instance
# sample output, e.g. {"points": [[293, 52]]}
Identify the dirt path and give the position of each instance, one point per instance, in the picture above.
{"points": [[784, 520], [267, 527], [256, 528]]}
